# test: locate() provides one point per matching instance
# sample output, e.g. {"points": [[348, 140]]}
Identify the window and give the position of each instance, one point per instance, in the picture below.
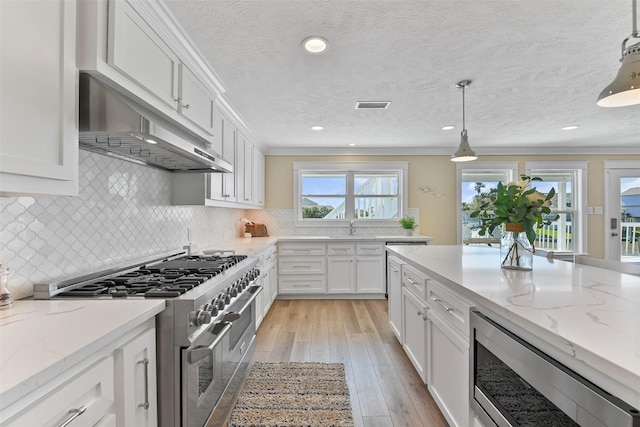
{"points": [[336, 192], [567, 233], [475, 181]]}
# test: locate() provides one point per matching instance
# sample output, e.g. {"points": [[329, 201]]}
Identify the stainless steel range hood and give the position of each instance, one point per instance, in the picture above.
{"points": [[112, 124]]}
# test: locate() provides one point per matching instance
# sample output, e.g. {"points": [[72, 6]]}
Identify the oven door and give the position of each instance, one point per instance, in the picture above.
{"points": [[203, 380], [515, 384]]}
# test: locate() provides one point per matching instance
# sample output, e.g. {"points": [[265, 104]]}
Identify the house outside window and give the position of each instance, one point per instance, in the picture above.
{"points": [[568, 232], [336, 193]]}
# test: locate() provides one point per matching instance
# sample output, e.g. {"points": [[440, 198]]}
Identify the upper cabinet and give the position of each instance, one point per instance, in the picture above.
{"points": [[137, 48], [38, 131]]}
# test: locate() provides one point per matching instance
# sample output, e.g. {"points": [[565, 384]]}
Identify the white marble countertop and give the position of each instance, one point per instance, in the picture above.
{"points": [[590, 314], [40, 339], [253, 245]]}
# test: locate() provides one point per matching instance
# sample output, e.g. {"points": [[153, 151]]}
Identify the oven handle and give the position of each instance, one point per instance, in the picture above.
{"points": [[201, 352], [251, 298]]}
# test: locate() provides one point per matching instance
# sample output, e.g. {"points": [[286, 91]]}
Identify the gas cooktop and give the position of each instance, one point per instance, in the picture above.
{"points": [[167, 278]]}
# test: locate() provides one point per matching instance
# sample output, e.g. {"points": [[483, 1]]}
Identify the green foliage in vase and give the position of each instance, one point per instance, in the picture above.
{"points": [[518, 203]]}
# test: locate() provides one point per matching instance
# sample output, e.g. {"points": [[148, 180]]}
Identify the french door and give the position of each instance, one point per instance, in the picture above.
{"points": [[622, 210]]}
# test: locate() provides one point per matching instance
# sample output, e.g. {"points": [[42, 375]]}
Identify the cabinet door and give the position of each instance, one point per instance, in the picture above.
{"points": [[259, 302], [274, 280], [341, 275], [414, 320], [266, 284], [394, 291], [448, 371], [136, 381], [370, 274], [229, 153], [216, 189], [196, 103], [137, 51], [240, 167], [258, 177], [247, 182], [38, 82]]}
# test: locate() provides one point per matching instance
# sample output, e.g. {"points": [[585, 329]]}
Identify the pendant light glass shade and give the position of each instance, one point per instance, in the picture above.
{"points": [[624, 90], [464, 153]]}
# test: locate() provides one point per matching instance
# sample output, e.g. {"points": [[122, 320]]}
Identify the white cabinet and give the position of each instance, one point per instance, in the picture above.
{"points": [[394, 291], [136, 50], [370, 277], [302, 268], [341, 275], [244, 169], [114, 386], [448, 361], [135, 368], [38, 82], [414, 328], [269, 283], [223, 185], [258, 176]]}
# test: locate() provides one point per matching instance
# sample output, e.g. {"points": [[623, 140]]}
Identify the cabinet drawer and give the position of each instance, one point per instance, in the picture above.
{"points": [[301, 249], [303, 284], [450, 307], [341, 249], [370, 249], [415, 281], [302, 265], [91, 389]]}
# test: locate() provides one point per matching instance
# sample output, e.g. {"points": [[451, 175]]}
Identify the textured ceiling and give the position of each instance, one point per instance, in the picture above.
{"points": [[536, 67]]}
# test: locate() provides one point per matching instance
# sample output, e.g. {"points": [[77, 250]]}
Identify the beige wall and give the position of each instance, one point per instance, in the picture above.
{"points": [[438, 215]]}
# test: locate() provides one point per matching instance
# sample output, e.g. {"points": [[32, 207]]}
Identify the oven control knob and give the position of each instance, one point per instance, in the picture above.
{"points": [[211, 308], [219, 303], [243, 284], [255, 273], [201, 318], [227, 298], [232, 291]]}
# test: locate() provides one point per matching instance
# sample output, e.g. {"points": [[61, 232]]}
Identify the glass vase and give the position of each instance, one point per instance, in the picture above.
{"points": [[516, 252]]}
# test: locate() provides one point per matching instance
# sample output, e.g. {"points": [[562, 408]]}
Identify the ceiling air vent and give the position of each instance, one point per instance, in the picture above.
{"points": [[372, 105]]}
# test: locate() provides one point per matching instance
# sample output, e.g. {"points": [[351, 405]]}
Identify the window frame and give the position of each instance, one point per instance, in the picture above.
{"points": [[578, 189], [350, 169]]}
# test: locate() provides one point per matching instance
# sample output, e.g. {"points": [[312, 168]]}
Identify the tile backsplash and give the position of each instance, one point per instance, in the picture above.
{"points": [[123, 213]]}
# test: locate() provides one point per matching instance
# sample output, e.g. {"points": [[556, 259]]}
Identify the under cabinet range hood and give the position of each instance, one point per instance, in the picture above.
{"points": [[112, 124]]}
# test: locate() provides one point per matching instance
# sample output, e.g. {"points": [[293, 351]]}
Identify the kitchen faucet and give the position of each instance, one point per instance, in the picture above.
{"points": [[351, 230]]}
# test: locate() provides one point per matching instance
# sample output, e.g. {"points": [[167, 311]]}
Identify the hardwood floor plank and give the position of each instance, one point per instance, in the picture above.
{"points": [[384, 388]]}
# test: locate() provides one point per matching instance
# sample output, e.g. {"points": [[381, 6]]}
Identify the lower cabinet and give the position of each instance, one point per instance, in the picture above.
{"points": [[268, 269], [394, 291], [115, 386], [414, 327], [448, 370], [135, 368]]}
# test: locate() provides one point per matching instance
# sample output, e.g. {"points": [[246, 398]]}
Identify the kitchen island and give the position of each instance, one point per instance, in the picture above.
{"points": [[585, 317]]}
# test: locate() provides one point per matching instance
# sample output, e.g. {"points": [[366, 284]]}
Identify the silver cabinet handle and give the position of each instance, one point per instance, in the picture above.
{"points": [[73, 414], [411, 281], [419, 313], [186, 106], [145, 362], [439, 301], [392, 268], [225, 195]]}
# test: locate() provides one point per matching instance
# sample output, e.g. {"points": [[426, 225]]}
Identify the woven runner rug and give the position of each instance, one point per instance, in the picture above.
{"points": [[294, 395]]}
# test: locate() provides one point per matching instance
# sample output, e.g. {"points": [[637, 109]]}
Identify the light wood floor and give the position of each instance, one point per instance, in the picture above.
{"points": [[384, 387]]}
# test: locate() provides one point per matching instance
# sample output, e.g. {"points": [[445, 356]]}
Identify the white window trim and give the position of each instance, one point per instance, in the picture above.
{"points": [[580, 168], [358, 167], [480, 167]]}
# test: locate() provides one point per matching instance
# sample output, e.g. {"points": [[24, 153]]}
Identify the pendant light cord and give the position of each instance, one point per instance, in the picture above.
{"points": [[634, 28]]}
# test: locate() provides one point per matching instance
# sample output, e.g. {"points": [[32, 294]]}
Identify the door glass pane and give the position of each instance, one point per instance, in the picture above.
{"points": [[559, 235], [476, 186], [630, 219]]}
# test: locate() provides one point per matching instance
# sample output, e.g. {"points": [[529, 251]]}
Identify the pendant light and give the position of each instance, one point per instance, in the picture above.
{"points": [[464, 153], [625, 88]]}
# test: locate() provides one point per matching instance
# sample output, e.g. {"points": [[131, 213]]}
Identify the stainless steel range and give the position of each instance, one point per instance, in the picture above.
{"points": [[205, 337]]}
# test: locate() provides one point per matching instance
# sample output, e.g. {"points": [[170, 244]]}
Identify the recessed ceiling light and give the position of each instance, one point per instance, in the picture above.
{"points": [[571, 127], [317, 127], [315, 45], [352, 144], [448, 127]]}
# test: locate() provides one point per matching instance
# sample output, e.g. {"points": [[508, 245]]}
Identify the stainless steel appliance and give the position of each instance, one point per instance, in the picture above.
{"points": [[205, 336], [112, 124], [514, 384]]}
